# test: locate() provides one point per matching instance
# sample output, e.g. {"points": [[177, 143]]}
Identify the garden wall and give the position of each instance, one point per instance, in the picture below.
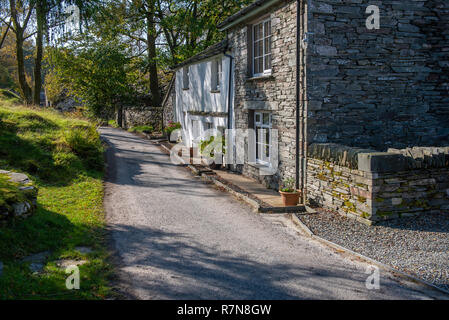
{"points": [[375, 186], [141, 116]]}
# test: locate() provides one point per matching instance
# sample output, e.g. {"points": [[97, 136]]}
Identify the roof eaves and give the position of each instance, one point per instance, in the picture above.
{"points": [[246, 13], [211, 51]]}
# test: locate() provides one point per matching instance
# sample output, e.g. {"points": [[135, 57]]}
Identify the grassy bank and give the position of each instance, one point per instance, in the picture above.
{"points": [[63, 157]]}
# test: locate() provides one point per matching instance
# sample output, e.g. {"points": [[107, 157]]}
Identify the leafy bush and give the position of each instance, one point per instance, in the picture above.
{"points": [[85, 143], [144, 129], [113, 123], [171, 127]]}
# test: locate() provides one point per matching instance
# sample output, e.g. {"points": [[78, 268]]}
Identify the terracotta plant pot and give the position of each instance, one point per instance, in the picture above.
{"points": [[290, 199]]}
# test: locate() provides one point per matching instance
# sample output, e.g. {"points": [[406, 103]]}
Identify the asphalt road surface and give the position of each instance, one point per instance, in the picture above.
{"points": [[176, 237]]}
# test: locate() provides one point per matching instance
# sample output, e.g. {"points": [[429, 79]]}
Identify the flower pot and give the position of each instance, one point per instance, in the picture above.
{"points": [[290, 199]]}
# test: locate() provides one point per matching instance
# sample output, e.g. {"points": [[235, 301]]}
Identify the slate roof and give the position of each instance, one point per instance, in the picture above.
{"points": [[213, 50]]}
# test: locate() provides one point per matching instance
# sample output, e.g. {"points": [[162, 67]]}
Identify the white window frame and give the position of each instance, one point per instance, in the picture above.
{"points": [[260, 128], [217, 74], [264, 55], [186, 78]]}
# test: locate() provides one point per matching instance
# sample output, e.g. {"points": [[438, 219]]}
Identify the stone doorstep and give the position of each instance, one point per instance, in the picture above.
{"points": [[263, 200]]}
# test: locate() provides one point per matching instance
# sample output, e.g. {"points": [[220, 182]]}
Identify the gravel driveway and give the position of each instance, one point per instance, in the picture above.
{"points": [[177, 238], [416, 245]]}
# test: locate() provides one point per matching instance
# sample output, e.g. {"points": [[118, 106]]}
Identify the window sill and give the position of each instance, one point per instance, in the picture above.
{"points": [[269, 77]]}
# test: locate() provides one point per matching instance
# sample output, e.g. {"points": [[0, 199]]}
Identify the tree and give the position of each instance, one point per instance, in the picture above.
{"points": [[20, 13], [97, 73]]}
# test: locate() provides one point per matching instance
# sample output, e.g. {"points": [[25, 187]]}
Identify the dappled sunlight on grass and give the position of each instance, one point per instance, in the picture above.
{"points": [[64, 158]]}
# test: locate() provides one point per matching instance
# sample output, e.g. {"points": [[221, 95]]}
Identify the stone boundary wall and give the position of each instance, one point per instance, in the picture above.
{"points": [[140, 116], [384, 186]]}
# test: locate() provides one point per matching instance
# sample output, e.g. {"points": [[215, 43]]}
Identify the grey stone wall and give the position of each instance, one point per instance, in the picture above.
{"points": [[140, 116], [275, 93], [378, 88], [384, 186]]}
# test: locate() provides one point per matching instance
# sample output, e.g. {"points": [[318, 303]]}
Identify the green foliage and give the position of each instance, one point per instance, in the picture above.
{"points": [[85, 143], [9, 97], [98, 74], [172, 126], [112, 123], [9, 192], [144, 129], [289, 185]]}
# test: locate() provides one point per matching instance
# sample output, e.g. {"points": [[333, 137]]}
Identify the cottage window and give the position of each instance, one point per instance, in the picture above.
{"points": [[185, 78], [262, 48], [263, 126], [217, 73]]}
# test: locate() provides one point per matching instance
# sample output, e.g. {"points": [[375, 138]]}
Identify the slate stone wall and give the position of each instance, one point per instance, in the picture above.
{"points": [[140, 116], [378, 88], [384, 186]]}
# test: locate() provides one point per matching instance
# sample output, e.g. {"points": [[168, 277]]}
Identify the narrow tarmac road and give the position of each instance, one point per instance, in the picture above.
{"points": [[176, 237]]}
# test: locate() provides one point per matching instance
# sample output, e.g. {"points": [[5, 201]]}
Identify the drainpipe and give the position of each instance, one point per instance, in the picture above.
{"points": [[301, 115], [298, 98], [231, 60]]}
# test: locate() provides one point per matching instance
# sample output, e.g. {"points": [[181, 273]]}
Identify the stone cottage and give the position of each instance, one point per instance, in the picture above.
{"points": [[359, 93]]}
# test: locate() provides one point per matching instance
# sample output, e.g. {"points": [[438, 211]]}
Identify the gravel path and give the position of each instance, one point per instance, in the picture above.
{"points": [[176, 237], [417, 245]]}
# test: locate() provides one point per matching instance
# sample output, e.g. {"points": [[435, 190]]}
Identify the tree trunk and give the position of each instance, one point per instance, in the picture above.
{"points": [[40, 13], [119, 116], [24, 87], [151, 42]]}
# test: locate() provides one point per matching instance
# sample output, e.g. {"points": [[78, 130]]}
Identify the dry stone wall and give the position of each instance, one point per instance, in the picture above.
{"points": [[384, 186], [141, 116]]}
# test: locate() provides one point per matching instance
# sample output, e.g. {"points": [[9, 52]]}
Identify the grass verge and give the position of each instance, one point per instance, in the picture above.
{"points": [[64, 158]]}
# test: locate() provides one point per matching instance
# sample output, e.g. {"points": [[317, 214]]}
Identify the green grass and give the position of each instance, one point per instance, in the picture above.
{"points": [[9, 192], [142, 129], [63, 157]]}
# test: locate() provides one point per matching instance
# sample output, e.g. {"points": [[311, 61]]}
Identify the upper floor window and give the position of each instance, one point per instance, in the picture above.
{"points": [[185, 78], [262, 48], [217, 73]]}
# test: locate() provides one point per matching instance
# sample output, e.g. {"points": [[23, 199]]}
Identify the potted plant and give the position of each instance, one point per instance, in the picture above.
{"points": [[290, 196]]}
